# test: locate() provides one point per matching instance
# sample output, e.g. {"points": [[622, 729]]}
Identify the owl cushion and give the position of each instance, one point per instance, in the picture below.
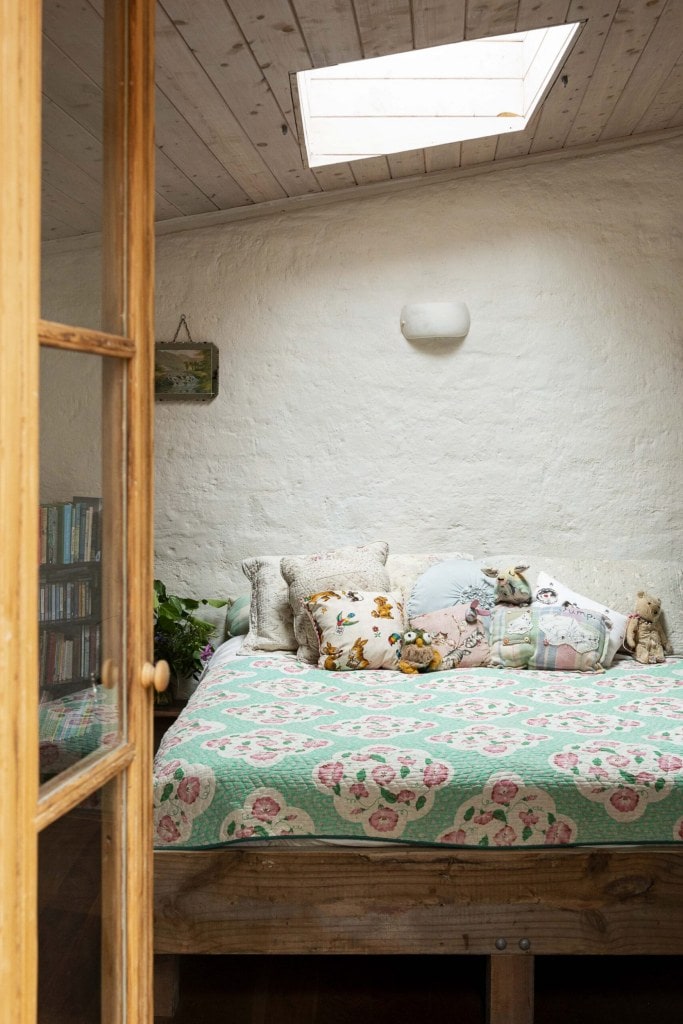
{"points": [[357, 629], [554, 637], [461, 643]]}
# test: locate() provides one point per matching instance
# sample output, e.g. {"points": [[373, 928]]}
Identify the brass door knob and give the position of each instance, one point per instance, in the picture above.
{"points": [[156, 675]]}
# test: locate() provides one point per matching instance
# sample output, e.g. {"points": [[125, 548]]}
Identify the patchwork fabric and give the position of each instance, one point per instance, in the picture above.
{"points": [[357, 629], [549, 591], [461, 643], [548, 637], [270, 748]]}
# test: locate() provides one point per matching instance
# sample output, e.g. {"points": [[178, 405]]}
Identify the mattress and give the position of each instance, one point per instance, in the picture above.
{"points": [[270, 748]]}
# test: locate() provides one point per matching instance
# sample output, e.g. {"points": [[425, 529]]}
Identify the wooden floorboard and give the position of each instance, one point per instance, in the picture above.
{"points": [[384, 990]]}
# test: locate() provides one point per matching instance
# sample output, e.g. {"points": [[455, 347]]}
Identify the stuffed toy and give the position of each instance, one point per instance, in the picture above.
{"points": [[417, 653], [645, 635], [510, 587]]}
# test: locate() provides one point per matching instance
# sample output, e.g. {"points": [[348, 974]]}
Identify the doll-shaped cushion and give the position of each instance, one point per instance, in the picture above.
{"points": [[558, 637]]}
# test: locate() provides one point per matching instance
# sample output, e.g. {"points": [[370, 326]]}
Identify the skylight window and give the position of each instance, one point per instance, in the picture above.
{"points": [[428, 97]]}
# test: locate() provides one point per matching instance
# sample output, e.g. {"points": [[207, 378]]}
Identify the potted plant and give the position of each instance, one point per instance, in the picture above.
{"points": [[181, 638]]}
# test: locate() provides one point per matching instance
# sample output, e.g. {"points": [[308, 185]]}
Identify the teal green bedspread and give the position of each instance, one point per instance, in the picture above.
{"points": [[272, 748]]}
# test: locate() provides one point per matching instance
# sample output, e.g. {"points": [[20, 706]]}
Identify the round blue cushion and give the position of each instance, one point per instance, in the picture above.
{"points": [[455, 581]]}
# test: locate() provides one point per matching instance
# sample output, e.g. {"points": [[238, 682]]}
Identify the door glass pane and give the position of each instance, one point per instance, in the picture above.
{"points": [[81, 535], [78, 867], [72, 160]]}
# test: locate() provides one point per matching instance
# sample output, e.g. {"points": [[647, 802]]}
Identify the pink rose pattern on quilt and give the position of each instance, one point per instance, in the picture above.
{"points": [[382, 788], [509, 812], [489, 740], [282, 711], [182, 793], [265, 814], [274, 748], [624, 778], [263, 746]]}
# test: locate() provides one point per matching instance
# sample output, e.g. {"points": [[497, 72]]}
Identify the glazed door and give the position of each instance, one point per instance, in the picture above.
{"points": [[76, 392]]}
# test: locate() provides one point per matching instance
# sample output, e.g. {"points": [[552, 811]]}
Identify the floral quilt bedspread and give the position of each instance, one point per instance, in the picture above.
{"points": [[275, 748]]}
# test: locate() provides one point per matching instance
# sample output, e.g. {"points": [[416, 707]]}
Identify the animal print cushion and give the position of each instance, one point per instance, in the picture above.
{"points": [[357, 628], [559, 637]]}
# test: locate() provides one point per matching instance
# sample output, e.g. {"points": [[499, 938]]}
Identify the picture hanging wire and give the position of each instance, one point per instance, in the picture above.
{"points": [[183, 323]]}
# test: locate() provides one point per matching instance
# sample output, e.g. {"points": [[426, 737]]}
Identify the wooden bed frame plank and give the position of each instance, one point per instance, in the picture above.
{"points": [[619, 900], [510, 990]]}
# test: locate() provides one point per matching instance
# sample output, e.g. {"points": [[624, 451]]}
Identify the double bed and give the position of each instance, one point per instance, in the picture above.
{"points": [[485, 811]]}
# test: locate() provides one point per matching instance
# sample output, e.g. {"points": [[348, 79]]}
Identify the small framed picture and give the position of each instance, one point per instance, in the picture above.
{"points": [[185, 371]]}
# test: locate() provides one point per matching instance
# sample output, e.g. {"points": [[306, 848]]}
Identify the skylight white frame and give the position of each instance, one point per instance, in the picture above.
{"points": [[400, 102]]}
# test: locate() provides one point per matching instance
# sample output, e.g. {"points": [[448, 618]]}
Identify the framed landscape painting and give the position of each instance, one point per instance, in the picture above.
{"points": [[185, 371]]}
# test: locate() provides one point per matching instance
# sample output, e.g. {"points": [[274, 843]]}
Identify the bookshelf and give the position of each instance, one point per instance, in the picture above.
{"points": [[69, 599]]}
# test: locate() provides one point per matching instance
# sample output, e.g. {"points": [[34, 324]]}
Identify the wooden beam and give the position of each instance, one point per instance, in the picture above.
{"points": [[510, 989], [404, 900]]}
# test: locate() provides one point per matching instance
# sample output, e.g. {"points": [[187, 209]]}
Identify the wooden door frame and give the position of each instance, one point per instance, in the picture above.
{"points": [[20, 24], [130, 217]]}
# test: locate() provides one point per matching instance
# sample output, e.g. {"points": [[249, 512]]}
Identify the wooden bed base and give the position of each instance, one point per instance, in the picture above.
{"points": [[510, 905]]}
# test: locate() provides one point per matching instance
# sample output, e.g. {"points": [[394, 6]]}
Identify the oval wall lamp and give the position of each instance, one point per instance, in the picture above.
{"points": [[434, 321]]}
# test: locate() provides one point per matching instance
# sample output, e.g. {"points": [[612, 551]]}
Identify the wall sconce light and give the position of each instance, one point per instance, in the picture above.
{"points": [[434, 321]]}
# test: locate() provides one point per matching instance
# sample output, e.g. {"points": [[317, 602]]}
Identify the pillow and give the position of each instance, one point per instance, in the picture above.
{"points": [[347, 568], [237, 617], [357, 629], [404, 569], [455, 581], [271, 626], [548, 637], [460, 643], [550, 591]]}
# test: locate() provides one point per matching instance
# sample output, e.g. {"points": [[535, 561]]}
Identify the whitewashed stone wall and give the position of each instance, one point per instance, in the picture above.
{"points": [[555, 426]]}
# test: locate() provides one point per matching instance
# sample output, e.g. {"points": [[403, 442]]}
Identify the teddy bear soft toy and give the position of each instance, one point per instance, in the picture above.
{"points": [[417, 653], [511, 587], [645, 634]]}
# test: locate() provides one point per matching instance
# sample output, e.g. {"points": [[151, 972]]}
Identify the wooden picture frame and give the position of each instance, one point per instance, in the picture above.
{"points": [[185, 371]]}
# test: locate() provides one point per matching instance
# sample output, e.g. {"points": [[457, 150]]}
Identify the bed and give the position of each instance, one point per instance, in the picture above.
{"points": [[486, 811]]}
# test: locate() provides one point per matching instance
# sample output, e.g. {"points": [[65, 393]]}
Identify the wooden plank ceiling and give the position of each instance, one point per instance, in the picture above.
{"points": [[226, 128]]}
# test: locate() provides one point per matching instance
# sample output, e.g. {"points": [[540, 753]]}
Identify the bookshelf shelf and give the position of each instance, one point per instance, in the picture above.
{"points": [[69, 607]]}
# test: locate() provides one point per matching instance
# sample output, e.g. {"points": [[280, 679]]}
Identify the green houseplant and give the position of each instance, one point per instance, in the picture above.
{"points": [[181, 637]]}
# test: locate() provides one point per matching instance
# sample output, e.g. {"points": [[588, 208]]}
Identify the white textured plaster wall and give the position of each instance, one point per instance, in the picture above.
{"points": [[555, 426]]}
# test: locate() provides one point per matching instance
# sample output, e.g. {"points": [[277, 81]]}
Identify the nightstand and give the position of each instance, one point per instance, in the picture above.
{"points": [[164, 716]]}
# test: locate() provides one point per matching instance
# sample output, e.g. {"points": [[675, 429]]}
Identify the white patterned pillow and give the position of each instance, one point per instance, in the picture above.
{"points": [[353, 568], [549, 590], [357, 629], [271, 624]]}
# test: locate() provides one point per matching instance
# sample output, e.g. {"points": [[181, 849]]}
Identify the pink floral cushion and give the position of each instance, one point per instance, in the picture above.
{"points": [[460, 643]]}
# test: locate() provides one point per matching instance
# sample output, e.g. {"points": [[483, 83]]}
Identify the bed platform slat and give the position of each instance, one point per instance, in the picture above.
{"points": [[510, 989], [559, 901]]}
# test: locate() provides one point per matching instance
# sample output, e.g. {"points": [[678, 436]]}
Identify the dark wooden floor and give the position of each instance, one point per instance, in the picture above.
{"points": [[403, 990]]}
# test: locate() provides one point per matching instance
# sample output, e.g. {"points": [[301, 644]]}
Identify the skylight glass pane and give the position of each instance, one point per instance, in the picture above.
{"points": [[428, 97]]}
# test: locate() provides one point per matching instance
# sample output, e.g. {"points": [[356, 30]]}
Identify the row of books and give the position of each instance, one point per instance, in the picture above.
{"points": [[69, 657], [70, 531], [66, 599]]}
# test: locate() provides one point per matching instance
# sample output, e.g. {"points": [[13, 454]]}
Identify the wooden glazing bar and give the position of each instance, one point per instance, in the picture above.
{"points": [[72, 786], [81, 339]]}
